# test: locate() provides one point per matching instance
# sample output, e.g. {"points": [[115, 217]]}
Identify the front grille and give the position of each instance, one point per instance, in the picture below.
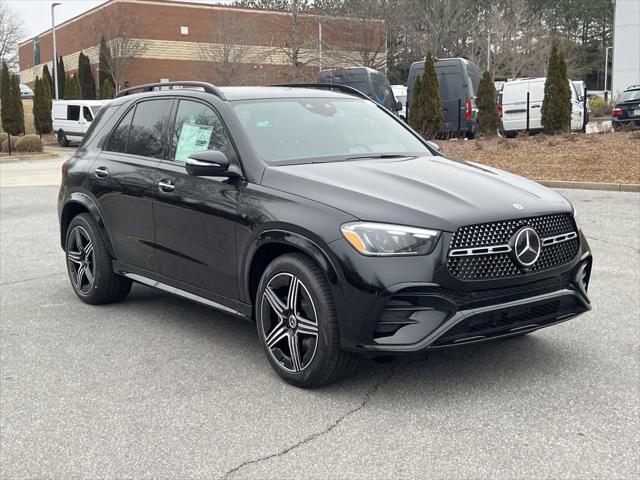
{"points": [[500, 265]]}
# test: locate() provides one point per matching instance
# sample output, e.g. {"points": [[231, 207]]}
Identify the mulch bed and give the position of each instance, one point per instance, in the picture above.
{"points": [[605, 157]]}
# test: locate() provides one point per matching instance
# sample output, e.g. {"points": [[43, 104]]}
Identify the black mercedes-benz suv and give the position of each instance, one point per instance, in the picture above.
{"points": [[320, 216]]}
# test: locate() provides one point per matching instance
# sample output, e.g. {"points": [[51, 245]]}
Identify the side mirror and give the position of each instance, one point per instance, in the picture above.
{"points": [[208, 163], [433, 145], [398, 106]]}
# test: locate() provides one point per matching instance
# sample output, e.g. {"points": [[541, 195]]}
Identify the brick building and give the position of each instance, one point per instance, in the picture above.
{"points": [[221, 44]]}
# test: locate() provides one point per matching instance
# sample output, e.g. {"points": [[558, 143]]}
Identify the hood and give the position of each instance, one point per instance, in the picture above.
{"points": [[432, 192]]}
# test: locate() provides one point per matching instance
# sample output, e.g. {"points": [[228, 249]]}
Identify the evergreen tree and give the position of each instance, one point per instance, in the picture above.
{"points": [[107, 90], [556, 105], [42, 107], [61, 75], [17, 104], [433, 114], [416, 109], [85, 78], [7, 106], [488, 118], [103, 63], [47, 77], [72, 88]]}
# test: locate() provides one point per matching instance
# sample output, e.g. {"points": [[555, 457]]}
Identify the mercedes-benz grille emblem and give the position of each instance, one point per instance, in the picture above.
{"points": [[526, 246]]}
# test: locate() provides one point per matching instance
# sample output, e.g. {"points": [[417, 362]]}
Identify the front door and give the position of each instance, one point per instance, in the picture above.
{"points": [[122, 178], [195, 217]]}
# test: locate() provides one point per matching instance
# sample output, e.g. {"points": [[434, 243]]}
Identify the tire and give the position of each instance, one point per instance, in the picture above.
{"points": [[62, 139], [89, 264], [320, 360], [511, 134]]}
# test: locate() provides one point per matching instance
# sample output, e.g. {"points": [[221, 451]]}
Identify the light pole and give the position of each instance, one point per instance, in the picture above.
{"points": [[55, 57], [606, 71], [320, 45]]}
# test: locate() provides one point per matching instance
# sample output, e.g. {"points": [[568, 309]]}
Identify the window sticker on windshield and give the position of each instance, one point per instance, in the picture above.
{"points": [[263, 123], [193, 138]]}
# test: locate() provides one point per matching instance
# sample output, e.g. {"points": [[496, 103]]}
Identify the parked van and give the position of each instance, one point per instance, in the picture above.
{"points": [[371, 82], [72, 118], [514, 106], [400, 92], [25, 91], [459, 80]]}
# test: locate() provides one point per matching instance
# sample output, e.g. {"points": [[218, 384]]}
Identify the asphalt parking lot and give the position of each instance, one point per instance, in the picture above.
{"points": [[159, 387]]}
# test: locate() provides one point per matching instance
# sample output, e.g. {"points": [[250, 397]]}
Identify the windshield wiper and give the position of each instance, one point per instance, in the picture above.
{"points": [[380, 155]]}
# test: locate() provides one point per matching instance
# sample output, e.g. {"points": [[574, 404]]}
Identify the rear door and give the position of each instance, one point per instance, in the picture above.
{"points": [[122, 178], [452, 94], [536, 95], [514, 106], [195, 217]]}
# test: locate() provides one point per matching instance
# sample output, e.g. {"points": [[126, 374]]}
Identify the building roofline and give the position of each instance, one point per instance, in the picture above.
{"points": [[171, 3]]}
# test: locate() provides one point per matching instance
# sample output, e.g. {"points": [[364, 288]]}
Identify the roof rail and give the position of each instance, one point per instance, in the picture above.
{"points": [[327, 86], [148, 87]]}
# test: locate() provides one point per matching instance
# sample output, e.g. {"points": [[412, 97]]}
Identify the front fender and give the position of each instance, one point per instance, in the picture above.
{"points": [[286, 237]]}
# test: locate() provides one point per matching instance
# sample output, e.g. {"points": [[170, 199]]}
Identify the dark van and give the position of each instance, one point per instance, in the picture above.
{"points": [[372, 83], [459, 79]]}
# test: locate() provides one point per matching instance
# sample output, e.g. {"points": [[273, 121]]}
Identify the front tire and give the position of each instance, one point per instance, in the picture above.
{"points": [[297, 323], [89, 264], [62, 139]]}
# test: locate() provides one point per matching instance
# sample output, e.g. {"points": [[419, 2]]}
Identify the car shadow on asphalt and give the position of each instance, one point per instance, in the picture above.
{"points": [[512, 362]]}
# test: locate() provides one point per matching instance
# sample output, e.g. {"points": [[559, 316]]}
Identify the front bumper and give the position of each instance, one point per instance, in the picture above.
{"points": [[409, 317]]}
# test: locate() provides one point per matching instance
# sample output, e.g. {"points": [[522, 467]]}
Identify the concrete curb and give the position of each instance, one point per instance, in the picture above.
{"points": [[612, 187], [24, 158]]}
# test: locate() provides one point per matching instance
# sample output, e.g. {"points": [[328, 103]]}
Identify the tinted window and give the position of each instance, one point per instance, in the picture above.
{"points": [[309, 128], [197, 128], [356, 78], [73, 112], [382, 90], [629, 96], [86, 113], [146, 136], [118, 140]]}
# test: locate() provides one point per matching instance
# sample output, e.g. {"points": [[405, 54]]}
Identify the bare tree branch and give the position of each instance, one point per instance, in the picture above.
{"points": [[10, 32]]}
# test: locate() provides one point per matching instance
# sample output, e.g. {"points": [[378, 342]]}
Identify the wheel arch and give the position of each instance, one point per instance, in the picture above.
{"points": [[78, 203], [271, 244]]}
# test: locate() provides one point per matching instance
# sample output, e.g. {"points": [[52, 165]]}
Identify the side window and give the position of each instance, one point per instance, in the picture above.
{"points": [[86, 113], [146, 136], [197, 127], [73, 112], [118, 140]]}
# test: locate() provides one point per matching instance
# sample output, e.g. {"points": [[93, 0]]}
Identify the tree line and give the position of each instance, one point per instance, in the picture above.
{"points": [[515, 35]]}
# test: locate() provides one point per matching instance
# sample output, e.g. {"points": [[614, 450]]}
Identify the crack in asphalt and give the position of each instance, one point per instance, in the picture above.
{"points": [[31, 279], [363, 403], [637, 250]]}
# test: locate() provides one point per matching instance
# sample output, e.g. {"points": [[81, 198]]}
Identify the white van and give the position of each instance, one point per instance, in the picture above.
{"points": [[514, 106], [72, 118]]}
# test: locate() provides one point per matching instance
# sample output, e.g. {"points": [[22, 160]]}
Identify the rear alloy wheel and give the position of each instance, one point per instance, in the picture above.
{"points": [[297, 323], [89, 264]]}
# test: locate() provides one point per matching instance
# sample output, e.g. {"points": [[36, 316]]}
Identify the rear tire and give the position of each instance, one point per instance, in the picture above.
{"points": [[89, 264], [62, 139], [297, 323]]}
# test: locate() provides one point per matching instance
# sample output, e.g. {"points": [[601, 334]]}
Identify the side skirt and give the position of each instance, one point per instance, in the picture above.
{"points": [[179, 289]]}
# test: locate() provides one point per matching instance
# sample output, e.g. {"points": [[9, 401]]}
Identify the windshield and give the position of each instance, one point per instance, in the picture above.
{"points": [[630, 96], [302, 129]]}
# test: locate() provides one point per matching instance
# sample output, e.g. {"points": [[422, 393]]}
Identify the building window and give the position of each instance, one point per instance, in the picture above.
{"points": [[36, 51], [184, 30]]}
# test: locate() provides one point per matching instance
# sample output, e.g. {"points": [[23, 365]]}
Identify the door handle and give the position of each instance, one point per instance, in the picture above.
{"points": [[535, 106], [102, 172], [166, 186]]}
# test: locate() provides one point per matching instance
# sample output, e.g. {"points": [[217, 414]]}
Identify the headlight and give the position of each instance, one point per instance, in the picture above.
{"points": [[381, 239]]}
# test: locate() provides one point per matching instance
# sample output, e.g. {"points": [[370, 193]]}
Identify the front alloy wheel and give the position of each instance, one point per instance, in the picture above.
{"points": [[297, 323], [290, 322]]}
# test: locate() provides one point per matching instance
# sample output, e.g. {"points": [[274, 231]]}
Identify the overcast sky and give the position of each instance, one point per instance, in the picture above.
{"points": [[36, 14]]}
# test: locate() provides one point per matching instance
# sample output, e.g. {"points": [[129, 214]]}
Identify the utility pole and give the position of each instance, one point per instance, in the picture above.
{"points": [[320, 45], [606, 71], [488, 50], [55, 57]]}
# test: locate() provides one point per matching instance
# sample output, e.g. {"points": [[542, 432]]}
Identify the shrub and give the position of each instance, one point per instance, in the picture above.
{"points": [[433, 112], [29, 143], [488, 118], [556, 105], [600, 107]]}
